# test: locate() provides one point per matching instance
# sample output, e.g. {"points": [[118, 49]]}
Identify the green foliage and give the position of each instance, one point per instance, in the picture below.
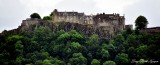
{"points": [[142, 51], [119, 43], [109, 63], [47, 62], [75, 45], [71, 36], [58, 33], [93, 39], [95, 62], [65, 37], [35, 15], [141, 23], [105, 53], [122, 58], [56, 61], [78, 59], [47, 18], [42, 35], [132, 52], [38, 62], [13, 39], [46, 47], [19, 47], [131, 40], [118, 40]]}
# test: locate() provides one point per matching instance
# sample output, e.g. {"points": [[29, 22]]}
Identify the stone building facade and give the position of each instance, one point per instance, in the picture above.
{"points": [[74, 17], [111, 21]]}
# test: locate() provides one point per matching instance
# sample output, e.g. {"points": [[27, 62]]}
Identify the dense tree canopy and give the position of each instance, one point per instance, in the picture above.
{"points": [[46, 47]]}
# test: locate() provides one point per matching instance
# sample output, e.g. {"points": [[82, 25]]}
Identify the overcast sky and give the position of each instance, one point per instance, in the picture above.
{"points": [[12, 12]]}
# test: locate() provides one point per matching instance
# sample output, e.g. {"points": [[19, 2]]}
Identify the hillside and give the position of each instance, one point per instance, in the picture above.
{"points": [[41, 42]]}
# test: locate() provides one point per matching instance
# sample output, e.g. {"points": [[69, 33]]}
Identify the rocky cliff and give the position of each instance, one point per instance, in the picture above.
{"points": [[30, 25]]}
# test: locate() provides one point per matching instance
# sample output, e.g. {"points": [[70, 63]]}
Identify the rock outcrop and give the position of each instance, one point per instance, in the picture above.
{"points": [[29, 25]]}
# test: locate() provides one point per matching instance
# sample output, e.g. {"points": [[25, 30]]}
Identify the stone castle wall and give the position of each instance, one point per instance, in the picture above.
{"points": [[74, 17], [98, 20], [113, 23]]}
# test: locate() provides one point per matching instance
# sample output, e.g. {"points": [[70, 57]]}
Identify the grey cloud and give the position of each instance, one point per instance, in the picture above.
{"points": [[78, 5], [148, 8], [12, 12]]}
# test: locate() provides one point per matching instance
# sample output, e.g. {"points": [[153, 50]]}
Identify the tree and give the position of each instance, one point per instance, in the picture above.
{"points": [[142, 51], [38, 62], [109, 63], [35, 15], [131, 41], [119, 43], [19, 47], [47, 18], [78, 59], [118, 40], [47, 62], [105, 53], [19, 60], [92, 44], [95, 62], [71, 36], [121, 58], [94, 39], [111, 49], [58, 62], [75, 45], [42, 35], [132, 52], [141, 23]]}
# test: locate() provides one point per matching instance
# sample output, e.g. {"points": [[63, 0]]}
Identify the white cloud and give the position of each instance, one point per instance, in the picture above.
{"points": [[113, 6], [86, 6], [40, 3]]}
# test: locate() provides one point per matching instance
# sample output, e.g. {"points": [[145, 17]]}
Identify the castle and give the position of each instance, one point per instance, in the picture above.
{"points": [[104, 25], [101, 20], [107, 20]]}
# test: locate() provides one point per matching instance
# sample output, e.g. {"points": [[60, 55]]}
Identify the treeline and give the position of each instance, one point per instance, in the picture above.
{"points": [[44, 47]]}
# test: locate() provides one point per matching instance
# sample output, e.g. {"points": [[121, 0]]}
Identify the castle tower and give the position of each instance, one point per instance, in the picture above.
{"points": [[54, 15]]}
